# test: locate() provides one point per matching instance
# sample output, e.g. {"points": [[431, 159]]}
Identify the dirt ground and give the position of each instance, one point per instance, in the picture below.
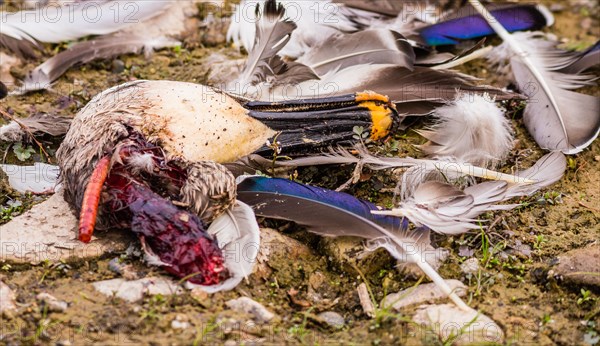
{"points": [[304, 275]]}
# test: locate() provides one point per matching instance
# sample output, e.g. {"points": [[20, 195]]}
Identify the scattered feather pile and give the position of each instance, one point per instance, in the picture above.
{"points": [[445, 209], [319, 21], [333, 214], [556, 117], [376, 59]]}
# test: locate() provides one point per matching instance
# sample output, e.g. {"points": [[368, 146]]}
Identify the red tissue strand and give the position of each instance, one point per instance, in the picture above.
{"points": [[91, 199]]}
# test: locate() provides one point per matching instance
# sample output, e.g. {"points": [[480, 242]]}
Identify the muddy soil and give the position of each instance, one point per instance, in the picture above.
{"points": [[304, 276]]}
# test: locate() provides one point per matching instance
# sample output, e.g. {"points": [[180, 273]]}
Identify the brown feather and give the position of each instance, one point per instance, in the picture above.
{"points": [[101, 48]]}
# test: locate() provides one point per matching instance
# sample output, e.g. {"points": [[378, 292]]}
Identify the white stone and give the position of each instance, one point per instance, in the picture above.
{"points": [[425, 293], [469, 327], [49, 232], [133, 291], [7, 298], [53, 304], [470, 266], [249, 306]]}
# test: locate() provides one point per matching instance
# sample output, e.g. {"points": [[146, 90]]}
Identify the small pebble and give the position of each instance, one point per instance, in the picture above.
{"points": [[175, 324], [51, 303], [586, 23], [7, 297], [125, 270], [465, 251], [316, 279], [332, 319], [249, 306], [578, 267], [118, 66], [470, 266]]}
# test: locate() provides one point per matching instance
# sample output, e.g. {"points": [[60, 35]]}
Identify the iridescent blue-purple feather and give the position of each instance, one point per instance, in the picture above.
{"points": [[333, 198], [472, 25]]}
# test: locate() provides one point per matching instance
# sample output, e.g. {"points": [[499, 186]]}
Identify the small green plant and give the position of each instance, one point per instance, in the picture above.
{"points": [[452, 338], [539, 240], [23, 153], [360, 134], [201, 335], [547, 318], [299, 331], [50, 269], [488, 251], [12, 209], [571, 163], [551, 197], [44, 324], [586, 297], [155, 305], [591, 336]]}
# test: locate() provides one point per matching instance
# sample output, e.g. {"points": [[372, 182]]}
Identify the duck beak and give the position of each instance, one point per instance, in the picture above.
{"points": [[306, 124]]}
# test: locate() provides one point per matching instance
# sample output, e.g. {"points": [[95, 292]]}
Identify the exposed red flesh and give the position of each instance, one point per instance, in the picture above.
{"points": [[175, 235], [91, 199]]}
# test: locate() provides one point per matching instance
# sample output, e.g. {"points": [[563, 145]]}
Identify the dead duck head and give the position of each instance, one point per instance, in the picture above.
{"points": [[149, 153]]}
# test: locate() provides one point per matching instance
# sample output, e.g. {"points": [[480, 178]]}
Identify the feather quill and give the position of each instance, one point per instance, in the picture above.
{"points": [[447, 168], [399, 83], [545, 172], [558, 119], [331, 220], [45, 74], [238, 236], [54, 24]]}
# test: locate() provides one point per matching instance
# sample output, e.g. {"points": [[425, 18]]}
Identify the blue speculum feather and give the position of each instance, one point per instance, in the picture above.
{"points": [[338, 199], [474, 26]]}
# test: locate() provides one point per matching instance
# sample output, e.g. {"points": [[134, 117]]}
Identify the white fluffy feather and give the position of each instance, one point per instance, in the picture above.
{"points": [[472, 128], [238, 236]]}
